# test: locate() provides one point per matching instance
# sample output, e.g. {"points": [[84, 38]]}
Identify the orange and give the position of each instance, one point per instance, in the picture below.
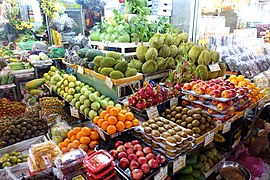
{"points": [[120, 126], [252, 100], [112, 120], [129, 116], [95, 120], [69, 134], [93, 144], [75, 144], [119, 109], [232, 77], [256, 98], [111, 129], [76, 130], [121, 117], [123, 112], [64, 150], [74, 137], [61, 145], [240, 78], [69, 147], [135, 122], [79, 135], [104, 125], [249, 86], [106, 116], [128, 124], [86, 131], [85, 140], [83, 147], [254, 91], [234, 81], [102, 114], [66, 142], [94, 135], [247, 81], [113, 112], [252, 85], [100, 121], [242, 83], [109, 108]]}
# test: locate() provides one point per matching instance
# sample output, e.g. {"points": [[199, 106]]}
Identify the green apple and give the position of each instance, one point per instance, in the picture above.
{"points": [[72, 78], [71, 85], [77, 96], [69, 98], [82, 99], [82, 107], [78, 89], [73, 101], [62, 93]]}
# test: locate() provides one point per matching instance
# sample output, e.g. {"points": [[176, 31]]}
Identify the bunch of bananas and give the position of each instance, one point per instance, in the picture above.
{"points": [[50, 8], [23, 25]]}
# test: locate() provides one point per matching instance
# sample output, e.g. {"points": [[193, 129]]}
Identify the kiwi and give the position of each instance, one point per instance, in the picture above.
{"points": [[185, 110], [209, 119], [163, 114], [177, 129], [145, 124], [161, 130], [185, 142], [196, 130], [196, 116], [154, 126], [168, 116], [177, 137], [171, 131], [178, 109], [184, 124], [207, 124], [202, 126], [155, 133], [203, 120], [178, 121], [173, 108], [171, 139], [189, 126], [160, 124], [165, 121], [173, 114], [189, 119], [182, 134], [170, 147], [173, 119], [168, 111], [166, 134], [171, 154], [196, 135], [190, 112], [204, 114], [184, 117], [198, 110], [195, 123], [189, 145], [167, 126], [178, 116], [173, 124], [151, 121], [181, 145], [188, 131], [147, 130], [154, 145]]}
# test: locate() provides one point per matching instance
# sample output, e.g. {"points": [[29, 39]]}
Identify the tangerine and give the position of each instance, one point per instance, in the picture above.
{"points": [[104, 125], [61, 145], [129, 116], [73, 137], [121, 117], [109, 108], [135, 122], [112, 120], [234, 81], [253, 85], [66, 142], [69, 147], [128, 124], [83, 147], [94, 135], [86, 131], [64, 150], [111, 129], [240, 78], [123, 111], [93, 144], [106, 116], [232, 77], [75, 144], [79, 135], [76, 130], [95, 120], [119, 109], [120, 126], [100, 121], [85, 140], [69, 134], [113, 112], [102, 114]]}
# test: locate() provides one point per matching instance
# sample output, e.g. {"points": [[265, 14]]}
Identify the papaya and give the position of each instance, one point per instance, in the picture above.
{"points": [[34, 84], [35, 92]]}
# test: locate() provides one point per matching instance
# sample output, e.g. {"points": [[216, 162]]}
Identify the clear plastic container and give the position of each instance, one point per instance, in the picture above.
{"points": [[38, 164], [98, 162], [70, 161]]}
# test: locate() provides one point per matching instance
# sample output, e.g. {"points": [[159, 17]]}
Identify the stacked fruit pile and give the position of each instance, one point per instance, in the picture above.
{"points": [[240, 82], [11, 159], [115, 119], [51, 105], [138, 158], [113, 66], [8, 108], [80, 138], [194, 119], [149, 95], [216, 96]]}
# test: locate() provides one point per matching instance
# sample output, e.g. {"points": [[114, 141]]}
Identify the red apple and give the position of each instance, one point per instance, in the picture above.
{"points": [[153, 163], [231, 108], [211, 111], [198, 106], [195, 86], [241, 91], [150, 156], [200, 91], [227, 87], [142, 160], [134, 142], [192, 98], [160, 158], [122, 155], [215, 102], [212, 85], [118, 143], [218, 81], [147, 150], [222, 106], [130, 151], [216, 86], [137, 147], [139, 154], [245, 89], [246, 98], [185, 103], [201, 83], [113, 153], [192, 83], [134, 165], [226, 94], [187, 86], [145, 168], [132, 157], [221, 89], [216, 94], [124, 163], [128, 145], [136, 174], [233, 92], [209, 90], [121, 148], [232, 85]]}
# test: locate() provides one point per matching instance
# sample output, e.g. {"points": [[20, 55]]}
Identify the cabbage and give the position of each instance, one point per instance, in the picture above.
{"points": [[34, 57], [43, 56]]}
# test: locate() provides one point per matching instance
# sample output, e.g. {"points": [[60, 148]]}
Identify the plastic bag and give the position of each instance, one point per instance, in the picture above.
{"points": [[59, 130], [40, 47], [4, 76], [57, 53], [63, 23], [26, 45], [256, 166]]}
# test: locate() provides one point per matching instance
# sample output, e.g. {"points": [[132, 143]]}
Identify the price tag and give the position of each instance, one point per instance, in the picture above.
{"points": [[74, 112], [174, 101], [163, 173], [152, 112], [214, 67], [101, 134], [80, 70], [109, 82], [226, 127], [209, 138], [179, 163]]}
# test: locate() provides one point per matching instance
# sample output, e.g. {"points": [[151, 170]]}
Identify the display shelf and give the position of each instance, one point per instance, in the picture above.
{"points": [[7, 86], [200, 139]]}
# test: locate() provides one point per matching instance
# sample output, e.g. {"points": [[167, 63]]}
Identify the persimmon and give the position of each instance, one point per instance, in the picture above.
{"points": [[70, 134], [66, 142], [76, 130], [95, 120], [106, 116], [73, 137], [109, 108], [94, 135], [93, 144], [61, 145], [79, 135], [64, 150]]}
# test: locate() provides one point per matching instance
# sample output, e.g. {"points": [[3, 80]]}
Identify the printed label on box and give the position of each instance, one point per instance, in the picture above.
{"points": [[214, 67], [209, 138], [226, 127], [109, 82], [74, 112], [179, 163], [152, 112]]}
